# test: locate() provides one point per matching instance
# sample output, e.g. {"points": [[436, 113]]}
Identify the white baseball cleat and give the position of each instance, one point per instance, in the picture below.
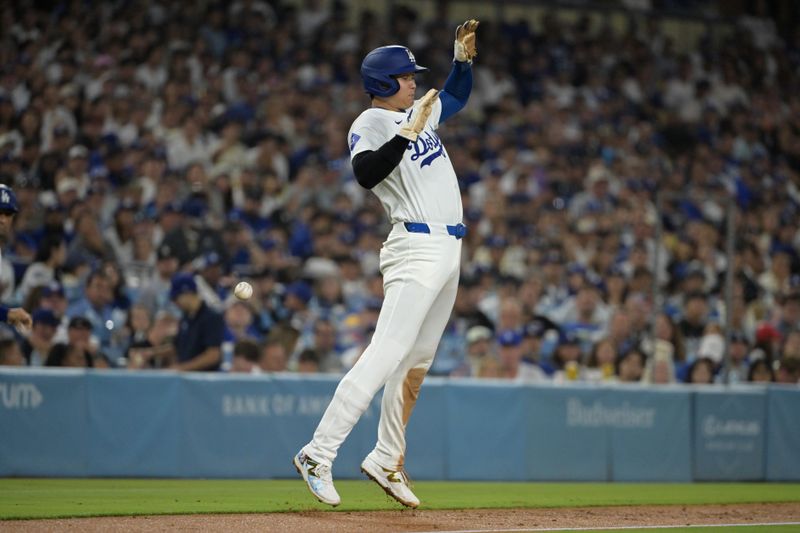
{"points": [[318, 478], [394, 482]]}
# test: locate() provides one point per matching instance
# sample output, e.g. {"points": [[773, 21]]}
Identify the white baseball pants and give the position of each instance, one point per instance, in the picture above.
{"points": [[420, 280]]}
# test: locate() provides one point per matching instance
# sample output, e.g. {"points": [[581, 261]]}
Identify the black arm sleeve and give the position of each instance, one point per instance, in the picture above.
{"points": [[373, 166]]}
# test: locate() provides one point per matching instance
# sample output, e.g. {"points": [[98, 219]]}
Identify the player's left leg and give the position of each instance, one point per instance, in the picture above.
{"points": [[385, 463]]}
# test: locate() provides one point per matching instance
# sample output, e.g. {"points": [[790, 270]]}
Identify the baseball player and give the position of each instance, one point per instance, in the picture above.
{"points": [[16, 316], [397, 154]]}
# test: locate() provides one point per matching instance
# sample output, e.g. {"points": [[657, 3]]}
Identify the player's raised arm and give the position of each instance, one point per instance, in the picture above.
{"points": [[458, 86]]}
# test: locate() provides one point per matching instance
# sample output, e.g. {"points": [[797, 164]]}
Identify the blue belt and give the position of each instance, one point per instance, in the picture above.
{"points": [[458, 231]]}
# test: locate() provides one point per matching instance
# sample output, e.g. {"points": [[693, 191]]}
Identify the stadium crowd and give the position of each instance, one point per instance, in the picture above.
{"points": [[161, 152]]}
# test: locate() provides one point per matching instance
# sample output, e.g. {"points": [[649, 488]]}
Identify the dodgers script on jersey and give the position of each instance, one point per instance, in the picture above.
{"points": [[428, 190]]}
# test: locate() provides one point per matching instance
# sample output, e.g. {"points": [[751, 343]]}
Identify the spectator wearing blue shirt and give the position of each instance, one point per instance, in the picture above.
{"points": [[106, 320], [201, 332], [198, 344]]}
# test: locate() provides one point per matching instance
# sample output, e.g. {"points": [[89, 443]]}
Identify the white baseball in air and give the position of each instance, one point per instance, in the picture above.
{"points": [[243, 290]]}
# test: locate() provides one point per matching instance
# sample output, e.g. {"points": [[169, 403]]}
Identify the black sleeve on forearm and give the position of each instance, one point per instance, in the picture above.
{"points": [[373, 166]]}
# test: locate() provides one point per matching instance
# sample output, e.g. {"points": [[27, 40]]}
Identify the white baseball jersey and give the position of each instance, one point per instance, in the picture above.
{"points": [[423, 187]]}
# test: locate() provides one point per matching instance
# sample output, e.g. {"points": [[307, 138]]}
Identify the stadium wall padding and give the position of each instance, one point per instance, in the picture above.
{"points": [[77, 423]]}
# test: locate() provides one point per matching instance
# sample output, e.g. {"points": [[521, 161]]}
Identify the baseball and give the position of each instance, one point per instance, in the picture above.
{"points": [[243, 290]]}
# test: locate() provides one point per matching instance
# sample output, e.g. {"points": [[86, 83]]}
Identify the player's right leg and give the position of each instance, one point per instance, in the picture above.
{"points": [[385, 464], [405, 306]]}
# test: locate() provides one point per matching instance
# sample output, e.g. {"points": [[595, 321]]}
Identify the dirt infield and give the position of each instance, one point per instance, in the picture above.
{"points": [[484, 519]]}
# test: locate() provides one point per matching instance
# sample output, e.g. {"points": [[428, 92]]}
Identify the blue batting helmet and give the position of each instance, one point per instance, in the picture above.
{"points": [[382, 64], [8, 200]]}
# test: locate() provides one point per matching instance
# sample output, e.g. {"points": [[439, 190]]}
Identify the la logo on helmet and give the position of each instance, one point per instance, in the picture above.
{"points": [[4, 198], [411, 56]]}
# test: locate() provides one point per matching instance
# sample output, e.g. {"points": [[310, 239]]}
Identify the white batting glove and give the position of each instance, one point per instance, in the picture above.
{"points": [[419, 116], [464, 48]]}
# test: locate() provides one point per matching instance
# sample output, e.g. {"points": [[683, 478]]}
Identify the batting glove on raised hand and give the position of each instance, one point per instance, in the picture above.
{"points": [[464, 49], [419, 116]]}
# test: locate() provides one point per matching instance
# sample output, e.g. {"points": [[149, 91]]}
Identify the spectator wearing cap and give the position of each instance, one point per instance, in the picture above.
{"points": [[36, 346], [537, 343], [54, 299], [15, 316], [509, 352], [478, 341], [210, 272], [198, 344], [297, 307], [97, 307], [76, 171], [567, 358], [10, 353], [50, 257], [596, 198]]}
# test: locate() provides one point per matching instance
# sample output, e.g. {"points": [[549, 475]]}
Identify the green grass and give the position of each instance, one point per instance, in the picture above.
{"points": [[51, 498]]}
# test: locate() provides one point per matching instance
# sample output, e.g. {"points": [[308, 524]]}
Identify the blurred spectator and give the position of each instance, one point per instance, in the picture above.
{"points": [[479, 341], [692, 325], [308, 362], [273, 357], [97, 306], [246, 353], [79, 337], [50, 256], [154, 293], [660, 368], [630, 366], [701, 371], [325, 348], [788, 371], [10, 354], [738, 367], [36, 346], [760, 372], [568, 358], [69, 355], [600, 366]]}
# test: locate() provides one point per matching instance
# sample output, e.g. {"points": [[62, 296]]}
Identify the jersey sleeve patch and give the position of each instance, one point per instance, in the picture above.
{"points": [[354, 138]]}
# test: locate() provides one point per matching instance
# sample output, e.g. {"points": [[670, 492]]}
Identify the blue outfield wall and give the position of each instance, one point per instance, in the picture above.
{"points": [[146, 424]]}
